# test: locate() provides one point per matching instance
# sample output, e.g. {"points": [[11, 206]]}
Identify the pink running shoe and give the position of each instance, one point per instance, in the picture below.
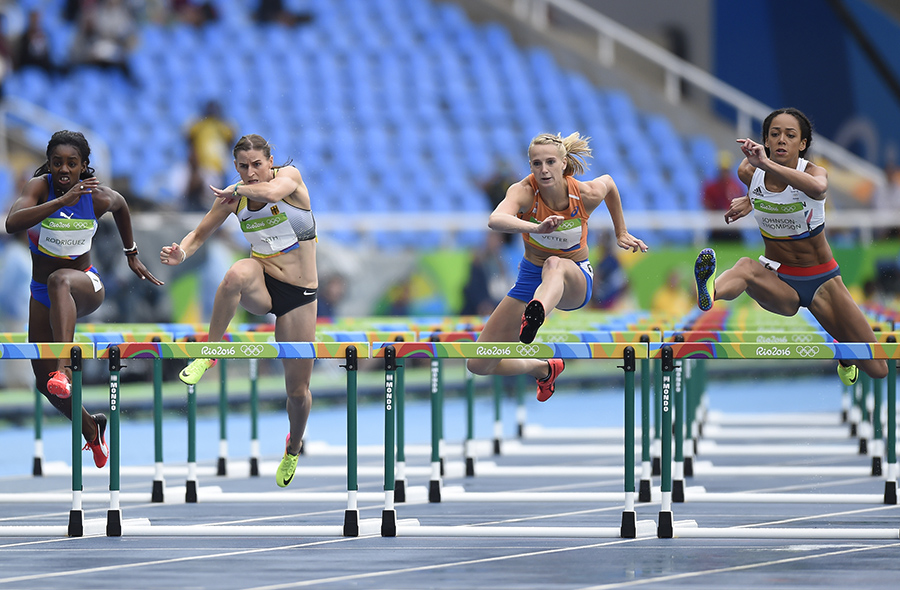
{"points": [[59, 385], [98, 446], [547, 385]]}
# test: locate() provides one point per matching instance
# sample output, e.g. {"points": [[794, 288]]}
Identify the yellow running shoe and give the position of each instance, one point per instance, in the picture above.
{"points": [[848, 375], [191, 374], [285, 473]]}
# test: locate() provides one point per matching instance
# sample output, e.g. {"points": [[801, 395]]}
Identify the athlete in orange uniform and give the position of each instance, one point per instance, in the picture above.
{"points": [[550, 209]]}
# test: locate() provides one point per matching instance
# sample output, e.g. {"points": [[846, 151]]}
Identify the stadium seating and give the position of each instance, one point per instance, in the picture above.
{"points": [[384, 105]]}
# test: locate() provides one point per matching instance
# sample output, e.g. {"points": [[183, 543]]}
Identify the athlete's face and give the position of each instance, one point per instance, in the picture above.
{"points": [[254, 166], [784, 139], [66, 166], [547, 164]]}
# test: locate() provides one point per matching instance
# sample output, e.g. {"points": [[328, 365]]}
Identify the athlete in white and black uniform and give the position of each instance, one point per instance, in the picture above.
{"points": [[786, 194], [273, 206]]}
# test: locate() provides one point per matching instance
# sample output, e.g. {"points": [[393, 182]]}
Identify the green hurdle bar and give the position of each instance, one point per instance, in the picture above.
{"points": [[237, 350], [74, 352], [668, 352], [464, 350]]}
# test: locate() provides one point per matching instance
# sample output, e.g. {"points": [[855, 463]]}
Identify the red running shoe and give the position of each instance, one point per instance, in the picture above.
{"points": [[59, 385], [547, 385], [98, 447], [531, 321]]}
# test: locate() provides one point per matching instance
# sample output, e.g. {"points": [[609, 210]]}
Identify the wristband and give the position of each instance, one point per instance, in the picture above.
{"points": [[131, 251], [183, 255], [234, 193]]}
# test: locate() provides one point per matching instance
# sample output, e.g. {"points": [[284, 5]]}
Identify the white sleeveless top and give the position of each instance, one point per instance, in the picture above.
{"points": [[788, 215]]}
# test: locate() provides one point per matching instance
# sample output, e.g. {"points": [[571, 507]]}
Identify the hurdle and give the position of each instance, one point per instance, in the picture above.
{"points": [[462, 350], [185, 350], [709, 350], [74, 352]]}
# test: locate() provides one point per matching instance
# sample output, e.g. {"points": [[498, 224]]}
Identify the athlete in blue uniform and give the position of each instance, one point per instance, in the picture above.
{"points": [[59, 209]]}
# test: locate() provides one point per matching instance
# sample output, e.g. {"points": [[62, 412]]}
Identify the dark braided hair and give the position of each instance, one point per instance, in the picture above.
{"points": [[805, 127], [76, 140]]}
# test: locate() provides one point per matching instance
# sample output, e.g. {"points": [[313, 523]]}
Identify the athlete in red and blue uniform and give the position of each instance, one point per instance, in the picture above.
{"points": [[59, 209]]}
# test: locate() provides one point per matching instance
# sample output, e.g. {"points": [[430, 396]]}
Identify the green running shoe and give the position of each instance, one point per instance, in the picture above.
{"points": [[191, 374], [705, 273], [848, 375], [285, 473]]}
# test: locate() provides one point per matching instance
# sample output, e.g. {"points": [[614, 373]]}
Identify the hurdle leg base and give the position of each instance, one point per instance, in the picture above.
{"points": [[351, 523], [496, 446], [389, 523], [666, 527], [644, 491], [190, 492], [221, 467], [113, 523], [254, 467], [470, 466], [678, 490], [37, 468], [442, 467], [656, 466], [400, 490], [890, 492], [689, 467], [76, 523], [629, 525], [158, 493], [876, 466], [853, 430], [434, 491], [863, 446]]}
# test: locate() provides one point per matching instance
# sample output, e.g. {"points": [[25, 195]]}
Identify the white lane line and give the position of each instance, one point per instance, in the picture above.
{"points": [[436, 566], [109, 568], [737, 568]]}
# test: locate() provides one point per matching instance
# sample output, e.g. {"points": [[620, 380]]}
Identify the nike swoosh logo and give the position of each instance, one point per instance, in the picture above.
{"points": [[308, 293], [288, 480]]}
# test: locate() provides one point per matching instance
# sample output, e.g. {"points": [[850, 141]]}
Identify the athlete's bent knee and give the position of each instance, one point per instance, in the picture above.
{"points": [[480, 366]]}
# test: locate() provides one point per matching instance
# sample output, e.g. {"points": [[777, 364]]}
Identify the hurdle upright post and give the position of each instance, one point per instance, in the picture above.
{"points": [[254, 418], [37, 467], [628, 530], [159, 482], [190, 486], [864, 430], [389, 514], [666, 525], [76, 514], [497, 380], [114, 514], [679, 406], [656, 448], [400, 405], [437, 428], [222, 463], [646, 468], [469, 450], [890, 486], [351, 515], [877, 427]]}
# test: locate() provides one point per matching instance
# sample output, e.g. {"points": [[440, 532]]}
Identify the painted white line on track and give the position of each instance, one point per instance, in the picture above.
{"points": [[737, 568]]}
